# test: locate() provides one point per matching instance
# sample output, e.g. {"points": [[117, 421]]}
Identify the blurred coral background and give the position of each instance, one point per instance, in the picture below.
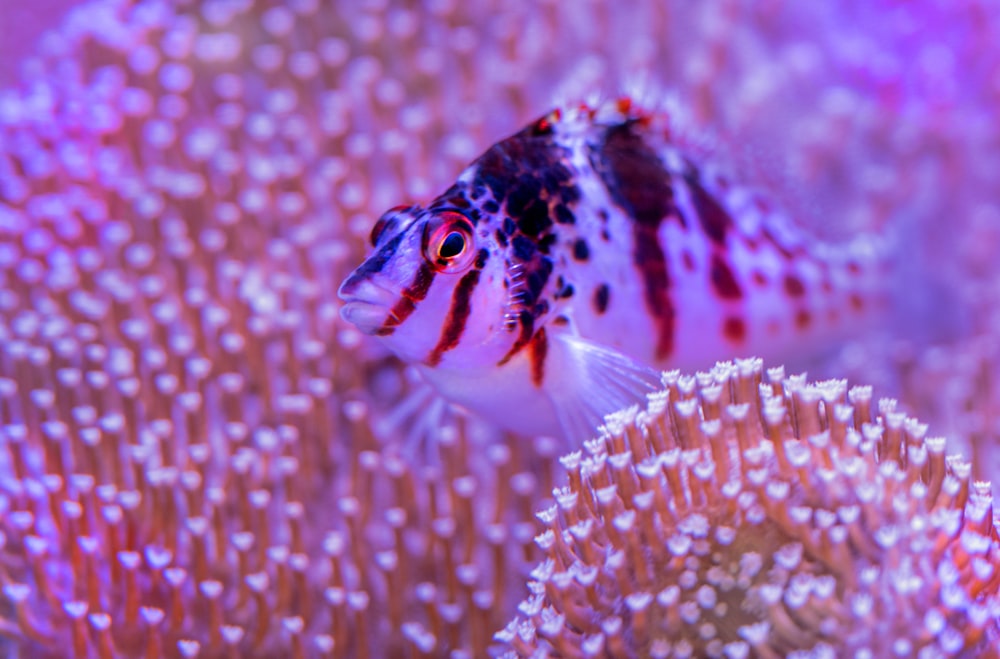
{"points": [[198, 458], [31, 21]]}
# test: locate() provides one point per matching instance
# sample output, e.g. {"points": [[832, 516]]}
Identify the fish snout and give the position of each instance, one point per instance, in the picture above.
{"points": [[367, 304]]}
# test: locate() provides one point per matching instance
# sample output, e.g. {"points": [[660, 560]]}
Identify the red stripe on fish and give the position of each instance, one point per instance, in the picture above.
{"points": [[527, 323], [539, 349], [407, 303], [458, 314], [714, 219], [640, 185], [723, 279]]}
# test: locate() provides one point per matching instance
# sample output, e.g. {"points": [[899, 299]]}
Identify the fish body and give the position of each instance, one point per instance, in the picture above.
{"points": [[571, 260]]}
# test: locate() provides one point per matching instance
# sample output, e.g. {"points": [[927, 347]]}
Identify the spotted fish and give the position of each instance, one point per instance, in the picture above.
{"points": [[571, 260]]}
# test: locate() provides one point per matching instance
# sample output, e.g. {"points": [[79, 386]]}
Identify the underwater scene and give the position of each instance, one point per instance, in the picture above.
{"points": [[499, 328]]}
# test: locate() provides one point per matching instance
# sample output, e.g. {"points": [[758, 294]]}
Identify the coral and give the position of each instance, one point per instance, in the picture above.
{"points": [[746, 513], [188, 458]]}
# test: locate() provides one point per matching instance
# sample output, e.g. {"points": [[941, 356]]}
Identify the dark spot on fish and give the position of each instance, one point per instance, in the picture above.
{"points": [[554, 178], [524, 248], [580, 250], [794, 286], [734, 329], [501, 237], [723, 279], [560, 321], [491, 207], [537, 277], [564, 291], [508, 226], [534, 219], [602, 296], [525, 190], [803, 319], [496, 177], [569, 193], [547, 241], [605, 235], [564, 215], [602, 215], [759, 278], [482, 257], [857, 303]]}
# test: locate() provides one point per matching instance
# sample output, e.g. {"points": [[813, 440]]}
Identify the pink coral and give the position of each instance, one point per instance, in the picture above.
{"points": [[742, 514]]}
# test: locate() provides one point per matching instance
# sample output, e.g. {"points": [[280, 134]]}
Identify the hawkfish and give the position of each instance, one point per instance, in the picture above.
{"points": [[572, 261]]}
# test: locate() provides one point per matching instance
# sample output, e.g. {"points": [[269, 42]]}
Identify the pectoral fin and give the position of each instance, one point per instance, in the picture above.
{"points": [[591, 381]]}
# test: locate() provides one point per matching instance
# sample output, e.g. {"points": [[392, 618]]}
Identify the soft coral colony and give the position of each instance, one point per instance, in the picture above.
{"points": [[188, 458], [744, 513], [188, 464]]}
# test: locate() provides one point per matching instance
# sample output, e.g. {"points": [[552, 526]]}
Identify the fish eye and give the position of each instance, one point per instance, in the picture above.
{"points": [[448, 242], [387, 220]]}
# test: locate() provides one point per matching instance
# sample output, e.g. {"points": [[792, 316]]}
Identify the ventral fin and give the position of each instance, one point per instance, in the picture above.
{"points": [[591, 381]]}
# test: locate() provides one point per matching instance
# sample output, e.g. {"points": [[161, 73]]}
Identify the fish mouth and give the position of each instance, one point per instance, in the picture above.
{"points": [[367, 305]]}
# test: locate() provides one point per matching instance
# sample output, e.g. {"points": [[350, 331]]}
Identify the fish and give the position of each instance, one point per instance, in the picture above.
{"points": [[574, 261]]}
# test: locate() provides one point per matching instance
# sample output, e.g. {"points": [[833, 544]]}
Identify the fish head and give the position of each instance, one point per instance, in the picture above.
{"points": [[433, 288]]}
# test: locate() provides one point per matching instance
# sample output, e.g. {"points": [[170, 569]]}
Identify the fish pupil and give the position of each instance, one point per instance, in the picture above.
{"points": [[452, 245]]}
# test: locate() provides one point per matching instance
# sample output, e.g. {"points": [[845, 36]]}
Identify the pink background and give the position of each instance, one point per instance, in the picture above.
{"points": [[22, 23]]}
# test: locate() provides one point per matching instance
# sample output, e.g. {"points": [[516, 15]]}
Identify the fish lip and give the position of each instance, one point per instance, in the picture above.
{"points": [[367, 305]]}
